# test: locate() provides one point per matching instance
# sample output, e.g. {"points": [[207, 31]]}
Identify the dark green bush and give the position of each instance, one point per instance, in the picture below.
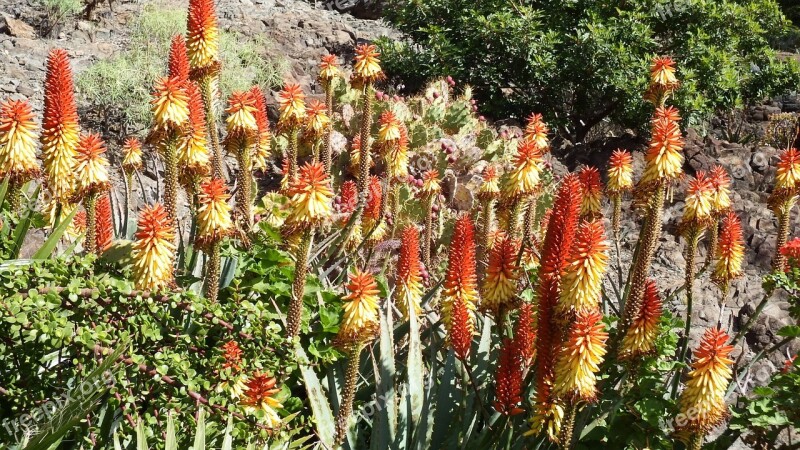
{"points": [[582, 62]]}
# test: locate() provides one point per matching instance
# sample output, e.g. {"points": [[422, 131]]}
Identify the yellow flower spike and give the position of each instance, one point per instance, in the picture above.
{"points": [[500, 283], [620, 172], [490, 188], [132, 155], [702, 403], [524, 178], [17, 142], [214, 214], [193, 155], [640, 339], [329, 69], [580, 358], [582, 282], [310, 196], [202, 35], [292, 106], [536, 130], [592, 190], [259, 395], [662, 71], [722, 192], [787, 176], [241, 112], [154, 250], [389, 131], [699, 201], [367, 68], [170, 104], [730, 251], [664, 159], [317, 119], [397, 156], [360, 321], [430, 182], [408, 292], [91, 165]]}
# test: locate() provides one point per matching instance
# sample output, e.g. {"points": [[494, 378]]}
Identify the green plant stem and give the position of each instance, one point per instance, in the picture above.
{"points": [[208, 91], [14, 195], [648, 241], [779, 261], [487, 222], [567, 428], [212, 273], [513, 218], [327, 157], [171, 177], [713, 237], [691, 248], [292, 152], [696, 441], [90, 205], [395, 207], [299, 285], [348, 394], [428, 238], [244, 195]]}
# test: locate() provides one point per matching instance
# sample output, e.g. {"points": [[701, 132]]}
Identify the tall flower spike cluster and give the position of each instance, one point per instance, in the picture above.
{"points": [[488, 192], [154, 250], [640, 339], [697, 217], [582, 281], [202, 48], [170, 106], [18, 161], [193, 156], [730, 253], [620, 181], [499, 289], [783, 199], [360, 324], [259, 395], [374, 227], [536, 130], [663, 81], [429, 192], [317, 122], [292, 106], [508, 382], [664, 157], [240, 141], [91, 171], [178, 59], [131, 156], [580, 358], [104, 235], [460, 296], [263, 141], [213, 225], [60, 131], [562, 224], [328, 72], [720, 204], [525, 176], [310, 204], [592, 189], [702, 403], [408, 289]]}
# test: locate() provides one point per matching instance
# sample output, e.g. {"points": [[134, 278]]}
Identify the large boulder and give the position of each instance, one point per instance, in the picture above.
{"points": [[363, 9]]}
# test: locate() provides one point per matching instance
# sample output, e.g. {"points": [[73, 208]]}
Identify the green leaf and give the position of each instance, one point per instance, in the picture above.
{"points": [[416, 377], [49, 245], [385, 425], [200, 434], [227, 441], [171, 443], [141, 436], [4, 190], [789, 331], [320, 407]]}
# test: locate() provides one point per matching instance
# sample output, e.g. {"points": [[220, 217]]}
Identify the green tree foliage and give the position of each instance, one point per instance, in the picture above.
{"points": [[582, 62]]}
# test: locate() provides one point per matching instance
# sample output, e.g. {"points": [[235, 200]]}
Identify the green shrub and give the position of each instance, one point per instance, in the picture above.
{"points": [[584, 62], [123, 82], [58, 11]]}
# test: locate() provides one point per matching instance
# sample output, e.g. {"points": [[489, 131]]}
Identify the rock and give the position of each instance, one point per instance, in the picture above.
{"points": [[16, 28], [464, 199], [363, 9], [759, 162]]}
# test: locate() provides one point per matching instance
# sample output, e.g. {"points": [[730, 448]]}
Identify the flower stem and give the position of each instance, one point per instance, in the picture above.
{"points": [[327, 158], [299, 285], [244, 196], [212, 273], [428, 241], [348, 394], [292, 152], [207, 90], [90, 242], [171, 177], [779, 261]]}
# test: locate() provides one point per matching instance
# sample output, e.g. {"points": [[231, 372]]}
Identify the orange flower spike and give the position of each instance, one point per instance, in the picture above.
{"points": [[460, 295], [170, 104], [620, 172], [132, 155], [787, 176], [202, 34], [17, 142], [730, 251], [490, 188], [360, 321], [430, 182], [722, 182], [699, 200], [556, 250], [641, 336], [259, 395], [525, 333], [60, 130], [349, 197], [242, 110], [397, 156], [178, 59], [232, 355], [702, 403], [500, 284], [329, 68], [317, 119], [292, 106], [154, 250], [193, 154], [580, 358], [670, 113], [263, 144], [536, 130], [524, 178], [367, 68], [582, 281], [791, 250], [374, 199], [105, 223], [310, 196], [591, 203], [389, 131], [508, 384], [662, 71], [664, 158], [91, 165], [408, 292]]}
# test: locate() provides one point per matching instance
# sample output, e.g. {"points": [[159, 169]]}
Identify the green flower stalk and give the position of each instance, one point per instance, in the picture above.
{"points": [[328, 73], [487, 194], [241, 141], [783, 199], [291, 101], [91, 175], [131, 164], [213, 225], [430, 191]]}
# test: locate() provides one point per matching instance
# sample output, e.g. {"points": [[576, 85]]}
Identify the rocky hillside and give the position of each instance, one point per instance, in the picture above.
{"points": [[300, 32]]}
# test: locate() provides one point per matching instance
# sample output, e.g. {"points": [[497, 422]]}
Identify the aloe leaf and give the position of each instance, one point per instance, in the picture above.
{"points": [[4, 190], [50, 244], [447, 403], [227, 441], [415, 394], [141, 436], [385, 424], [228, 271], [21, 229], [320, 408], [171, 443], [200, 435], [484, 348], [422, 437]]}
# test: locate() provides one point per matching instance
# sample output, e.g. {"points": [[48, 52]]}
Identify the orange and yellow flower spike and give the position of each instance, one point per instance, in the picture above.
{"points": [[18, 161], [154, 250], [591, 205], [202, 35], [582, 282], [525, 177], [730, 252], [360, 321], [500, 283], [131, 155], [640, 339], [536, 131], [193, 155], [408, 290], [580, 358], [367, 67], [374, 226], [178, 59], [213, 225], [508, 383], [259, 399], [310, 196], [263, 143], [460, 294], [620, 180], [91, 166], [664, 158]]}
